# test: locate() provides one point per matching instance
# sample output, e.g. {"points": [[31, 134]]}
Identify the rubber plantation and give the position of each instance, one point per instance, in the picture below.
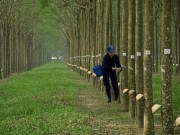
{"points": [[48, 49]]}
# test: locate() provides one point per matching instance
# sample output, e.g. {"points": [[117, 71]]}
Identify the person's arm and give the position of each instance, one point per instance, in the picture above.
{"points": [[118, 65]]}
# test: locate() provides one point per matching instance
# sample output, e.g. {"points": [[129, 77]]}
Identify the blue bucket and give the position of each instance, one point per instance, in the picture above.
{"points": [[98, 70]]}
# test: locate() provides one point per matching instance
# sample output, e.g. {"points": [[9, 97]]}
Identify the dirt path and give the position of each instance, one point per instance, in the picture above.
{"points": [[107, 118]]}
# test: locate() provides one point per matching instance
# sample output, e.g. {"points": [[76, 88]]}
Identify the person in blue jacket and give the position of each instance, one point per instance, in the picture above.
{"points": [[110, 66]]}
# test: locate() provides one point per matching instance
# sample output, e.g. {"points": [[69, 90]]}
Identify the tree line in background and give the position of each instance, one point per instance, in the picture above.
{"points": [[29, 34], [146, 35], [19, 49]]}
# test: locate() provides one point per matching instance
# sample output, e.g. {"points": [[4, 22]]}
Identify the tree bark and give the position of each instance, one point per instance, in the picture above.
{"points": [[107, 23], [148, 93], [125, 99], [166, 69], [131, 52], [139, 61]]}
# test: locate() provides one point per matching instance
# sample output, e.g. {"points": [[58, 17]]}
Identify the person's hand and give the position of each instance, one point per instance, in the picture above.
{"points": [[114, 68], [119, 69]]}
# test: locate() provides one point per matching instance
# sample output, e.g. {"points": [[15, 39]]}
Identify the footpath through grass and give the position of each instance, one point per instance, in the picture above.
{"points": [[54, 100]]}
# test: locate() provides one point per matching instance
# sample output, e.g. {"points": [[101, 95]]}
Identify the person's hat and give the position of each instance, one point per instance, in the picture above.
{"points": [[110, 48]]}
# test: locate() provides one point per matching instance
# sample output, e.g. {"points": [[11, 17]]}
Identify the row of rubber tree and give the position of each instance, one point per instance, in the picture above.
{"points": [[19, 49], [146, 36]]}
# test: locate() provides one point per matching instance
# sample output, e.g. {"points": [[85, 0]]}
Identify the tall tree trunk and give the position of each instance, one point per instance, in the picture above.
{"points": [[1, 48], [85, 41], [109, 23], [118, 36], [18, 50], [103, 28], [5, 51], [166, 69], [118, 26], [103, 45], [125, 99], [175, 23], [7, 61], [156, 42], [95, 47], [88, 39], [178, 44], [79, 40], [131, 54], [148, 93], [139, 61], [92, 34]]}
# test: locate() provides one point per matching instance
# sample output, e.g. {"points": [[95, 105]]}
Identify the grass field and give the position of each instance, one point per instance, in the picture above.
{"points": [[41, 101], [54, 100], [175, 88]]}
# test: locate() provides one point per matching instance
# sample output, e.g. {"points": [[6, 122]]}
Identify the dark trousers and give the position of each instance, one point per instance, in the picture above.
{"points": [[113, 76]]}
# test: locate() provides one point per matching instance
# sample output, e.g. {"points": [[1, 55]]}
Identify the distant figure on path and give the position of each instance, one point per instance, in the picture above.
{"points": [[110, 66]]}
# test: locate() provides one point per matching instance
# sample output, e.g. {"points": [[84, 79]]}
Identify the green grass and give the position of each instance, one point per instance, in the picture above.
{"points": [[41, 101], [175, 92], [45, 101]]}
